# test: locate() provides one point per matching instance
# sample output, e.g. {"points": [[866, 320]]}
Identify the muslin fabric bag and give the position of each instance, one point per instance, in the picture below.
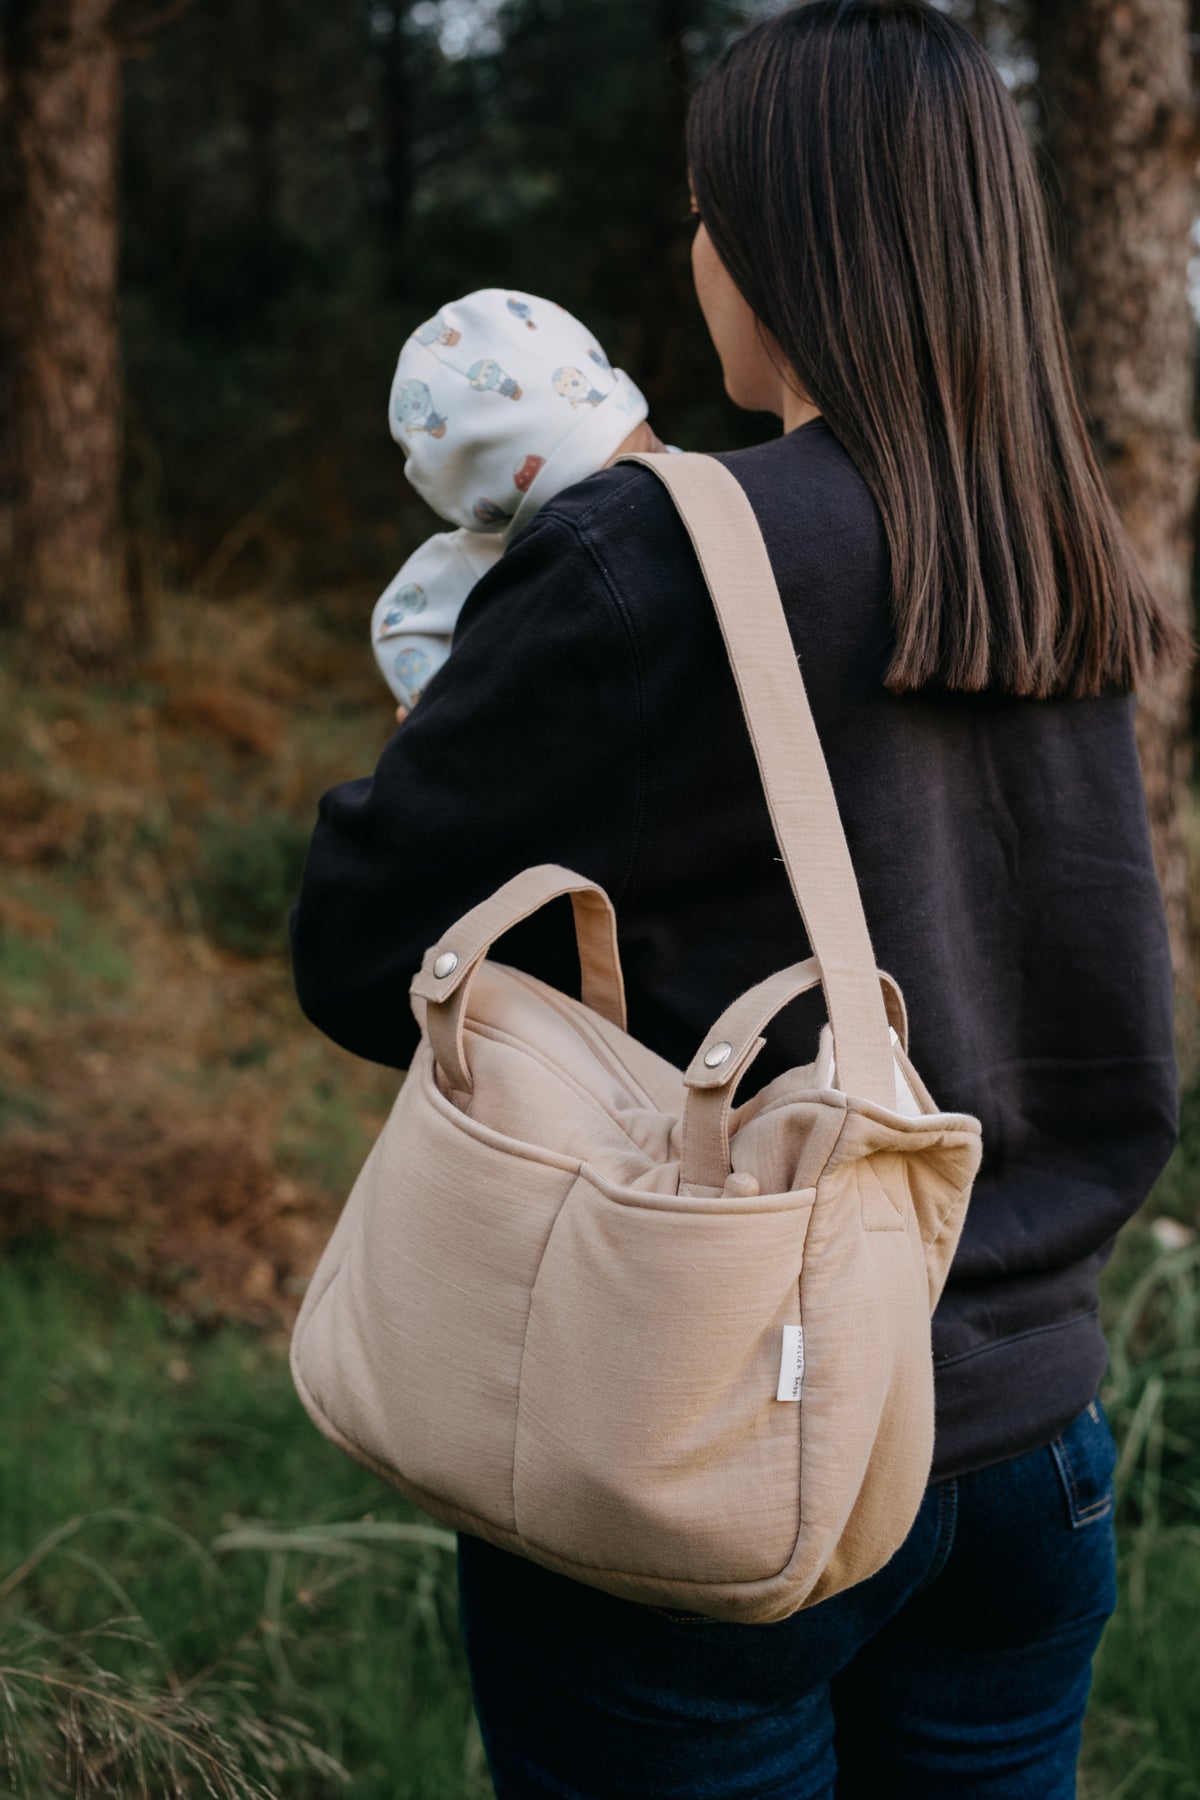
{"points": [[582, 1304]]}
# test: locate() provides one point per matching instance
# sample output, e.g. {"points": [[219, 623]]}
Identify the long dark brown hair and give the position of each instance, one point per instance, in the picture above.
{"points": [[864, 177]]}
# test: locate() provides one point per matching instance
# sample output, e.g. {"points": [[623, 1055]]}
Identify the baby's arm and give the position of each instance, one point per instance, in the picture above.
{"points": [[414, 618], [643, 437]]}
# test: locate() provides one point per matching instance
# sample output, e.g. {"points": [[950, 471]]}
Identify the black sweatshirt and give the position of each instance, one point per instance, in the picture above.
{"points": [[588, 716]]}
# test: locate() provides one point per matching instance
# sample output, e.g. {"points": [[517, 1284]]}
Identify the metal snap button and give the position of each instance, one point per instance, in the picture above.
{"points": [[445, 965], [716, 1054]]}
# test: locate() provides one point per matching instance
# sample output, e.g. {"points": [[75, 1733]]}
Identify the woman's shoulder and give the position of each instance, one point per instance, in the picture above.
{"points": [[802, 483], [808, 494], [609, 500], [620, 548]]}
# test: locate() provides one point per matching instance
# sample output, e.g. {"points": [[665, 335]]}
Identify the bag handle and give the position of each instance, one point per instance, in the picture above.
{"points": [[712, 1076], [733, 559], [448, 966]]}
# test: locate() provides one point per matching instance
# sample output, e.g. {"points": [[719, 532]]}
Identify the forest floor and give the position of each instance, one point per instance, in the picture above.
{"points": [[163, 1102], [187, 1571]]}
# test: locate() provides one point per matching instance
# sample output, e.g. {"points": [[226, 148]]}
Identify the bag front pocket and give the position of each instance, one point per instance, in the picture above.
{"points": [[414, 1349], [649, 1436]]}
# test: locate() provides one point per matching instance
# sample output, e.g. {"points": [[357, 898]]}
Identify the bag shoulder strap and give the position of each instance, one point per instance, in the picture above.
{"points": [[808, 828]]}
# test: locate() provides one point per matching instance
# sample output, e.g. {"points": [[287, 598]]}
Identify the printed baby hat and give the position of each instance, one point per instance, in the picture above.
{"points": [[500, 401]]}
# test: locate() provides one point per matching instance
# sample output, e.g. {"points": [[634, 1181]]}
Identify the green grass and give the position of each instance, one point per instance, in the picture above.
{"points": [[247, 875], [18, 1107], [139, 1461], [157, 1473], [76, 962], [1143, 1732], [1142, 1740], [1178, 1192], [320, 1137]]}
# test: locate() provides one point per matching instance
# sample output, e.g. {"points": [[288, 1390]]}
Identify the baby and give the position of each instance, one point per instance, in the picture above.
{"points": [[499, 402]]}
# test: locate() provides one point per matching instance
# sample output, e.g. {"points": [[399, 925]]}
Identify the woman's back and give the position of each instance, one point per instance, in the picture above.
{"points": [[1004, 860], [589, 716]]}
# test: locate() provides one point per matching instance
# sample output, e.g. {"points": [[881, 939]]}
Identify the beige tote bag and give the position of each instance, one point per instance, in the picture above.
{"points": [[581, 1304]]}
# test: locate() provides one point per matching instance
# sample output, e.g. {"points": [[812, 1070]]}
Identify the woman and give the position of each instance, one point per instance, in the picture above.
{"points": [[872, 264]]}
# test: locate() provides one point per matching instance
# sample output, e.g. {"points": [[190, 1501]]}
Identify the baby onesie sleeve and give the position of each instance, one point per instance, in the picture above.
{"points": [[414, 618], [525, 748]]}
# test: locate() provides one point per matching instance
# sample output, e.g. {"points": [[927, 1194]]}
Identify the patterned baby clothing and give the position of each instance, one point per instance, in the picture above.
{"points": [[499, 402]]}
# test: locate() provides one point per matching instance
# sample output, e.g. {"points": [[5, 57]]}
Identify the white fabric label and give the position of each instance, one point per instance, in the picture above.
{"points": [[791, 1364]]}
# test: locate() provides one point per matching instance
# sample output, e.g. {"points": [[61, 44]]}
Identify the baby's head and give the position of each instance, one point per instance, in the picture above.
{"points": [[501, 400]]}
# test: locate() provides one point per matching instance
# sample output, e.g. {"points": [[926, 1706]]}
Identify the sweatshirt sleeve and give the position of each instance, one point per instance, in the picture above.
{"points": [[525, 748]]}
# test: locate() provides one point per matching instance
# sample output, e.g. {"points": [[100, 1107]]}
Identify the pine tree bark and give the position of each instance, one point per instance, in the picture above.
{"points": [[394, 203], [60, 143], [1119, 135]]}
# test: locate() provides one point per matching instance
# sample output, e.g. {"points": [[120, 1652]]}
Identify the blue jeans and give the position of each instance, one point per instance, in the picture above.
{"points": [[961, 1668]]}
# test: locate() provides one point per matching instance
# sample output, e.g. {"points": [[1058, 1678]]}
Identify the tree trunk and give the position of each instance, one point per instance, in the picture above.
{"points": [[62, 80], [394, 202], [666, 293], [1120, 138]]}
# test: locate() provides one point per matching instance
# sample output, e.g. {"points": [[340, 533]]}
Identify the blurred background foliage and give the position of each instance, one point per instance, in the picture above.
{"points": [[302, 185]]}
